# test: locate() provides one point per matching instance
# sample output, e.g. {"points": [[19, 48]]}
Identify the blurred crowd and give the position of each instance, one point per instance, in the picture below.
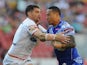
{"points": [[12, 14]]}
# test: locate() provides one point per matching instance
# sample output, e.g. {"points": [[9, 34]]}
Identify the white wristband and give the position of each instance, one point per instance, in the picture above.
{"points": [[54, 37], [50, 37], [46, 36]]}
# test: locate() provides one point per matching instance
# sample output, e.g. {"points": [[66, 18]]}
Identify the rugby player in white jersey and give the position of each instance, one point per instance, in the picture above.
{"points": [[26, 37]]}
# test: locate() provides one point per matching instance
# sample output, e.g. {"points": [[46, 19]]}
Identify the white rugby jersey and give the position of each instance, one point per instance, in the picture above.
{"points": [[22, 44]]}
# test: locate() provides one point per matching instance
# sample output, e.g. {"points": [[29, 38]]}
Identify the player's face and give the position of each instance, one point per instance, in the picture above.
{"points": [[53, 17], [49, 16], [35, 14]]}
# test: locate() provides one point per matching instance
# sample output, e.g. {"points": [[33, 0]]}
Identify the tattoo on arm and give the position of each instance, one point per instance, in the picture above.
{"points": [[35, 32]]}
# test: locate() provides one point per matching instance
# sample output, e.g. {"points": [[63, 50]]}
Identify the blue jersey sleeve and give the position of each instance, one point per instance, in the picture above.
{"points": [[68, 29]]}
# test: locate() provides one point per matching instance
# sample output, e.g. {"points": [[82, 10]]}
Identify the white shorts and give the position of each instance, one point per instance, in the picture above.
{"points": [[15, 61]]}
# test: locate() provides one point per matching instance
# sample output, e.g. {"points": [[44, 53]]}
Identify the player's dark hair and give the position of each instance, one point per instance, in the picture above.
{"points": [[30, 8], [55, 9]]}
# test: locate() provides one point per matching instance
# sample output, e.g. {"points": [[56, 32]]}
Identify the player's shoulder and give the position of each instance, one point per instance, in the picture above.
{"points": [[28, 22], [68, 29], [66, 24]]}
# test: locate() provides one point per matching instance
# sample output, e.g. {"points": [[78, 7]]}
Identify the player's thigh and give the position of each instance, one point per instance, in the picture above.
{"points": [[30, 64], [10, 64], [20, 64], [27, 64], [28, 61]]}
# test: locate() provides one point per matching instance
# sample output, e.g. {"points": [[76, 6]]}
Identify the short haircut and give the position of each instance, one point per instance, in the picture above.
{"points": [[55, 9], [30, 8]]}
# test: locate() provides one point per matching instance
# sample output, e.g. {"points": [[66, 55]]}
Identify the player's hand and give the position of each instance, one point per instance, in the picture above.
{"points": [[63, 39], [58, 45]]}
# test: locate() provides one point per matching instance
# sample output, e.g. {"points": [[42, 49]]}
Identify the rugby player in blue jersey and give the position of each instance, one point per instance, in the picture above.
{"points": [[66, 54]]}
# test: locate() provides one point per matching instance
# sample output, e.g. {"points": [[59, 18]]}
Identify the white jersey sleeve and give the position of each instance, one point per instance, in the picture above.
{"points": [[42, 29], [31, 26]]}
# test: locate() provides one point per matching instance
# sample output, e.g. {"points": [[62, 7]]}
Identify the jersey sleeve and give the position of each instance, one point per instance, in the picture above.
{"points": [[30, 25], [68, 29], [42, 29], [32, 29]]}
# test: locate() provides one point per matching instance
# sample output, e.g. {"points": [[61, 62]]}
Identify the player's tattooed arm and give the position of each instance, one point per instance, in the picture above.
{"points": [[35, 31]]}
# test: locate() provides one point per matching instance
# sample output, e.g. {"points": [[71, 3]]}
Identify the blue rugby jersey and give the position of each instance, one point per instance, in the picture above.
{"points": [[69, 56]]}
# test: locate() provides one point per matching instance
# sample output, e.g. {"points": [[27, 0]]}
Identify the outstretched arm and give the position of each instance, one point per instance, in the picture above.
{"points": [[36, 32]]}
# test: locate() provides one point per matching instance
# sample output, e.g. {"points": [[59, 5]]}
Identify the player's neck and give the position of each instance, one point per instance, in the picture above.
{"points": [[56, 23], [30, 18]]}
